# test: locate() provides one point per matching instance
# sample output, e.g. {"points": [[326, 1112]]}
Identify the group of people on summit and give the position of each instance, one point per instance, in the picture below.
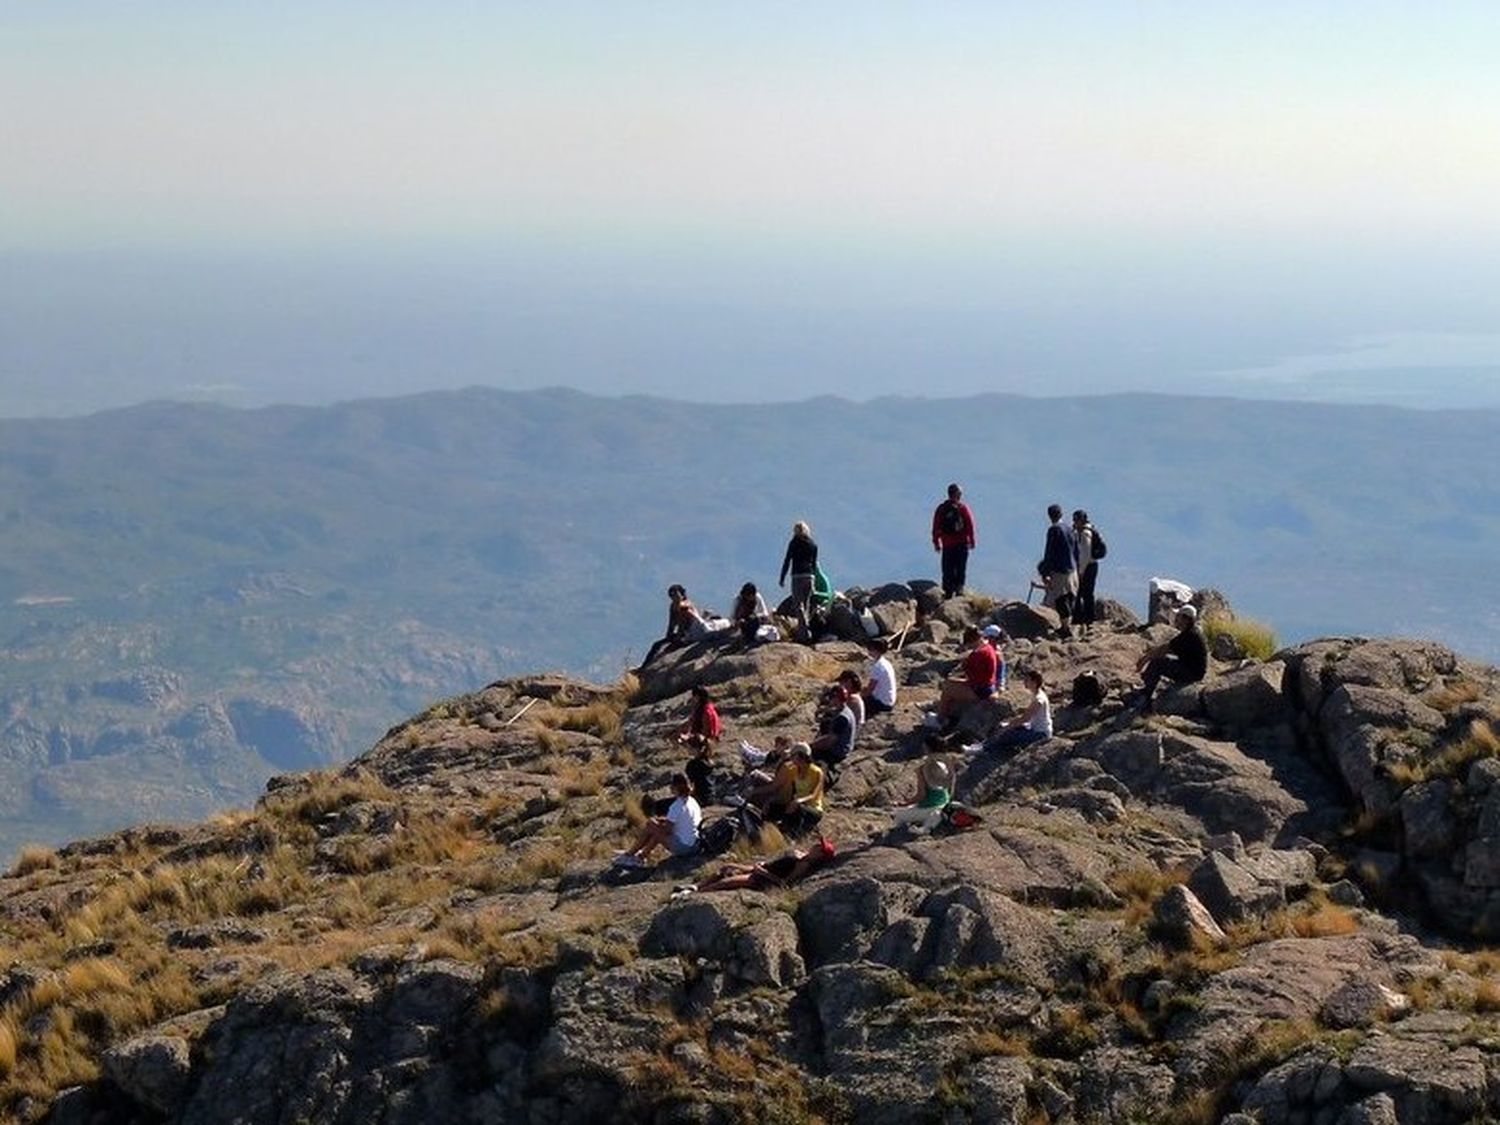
{"points": [[787, 784]]}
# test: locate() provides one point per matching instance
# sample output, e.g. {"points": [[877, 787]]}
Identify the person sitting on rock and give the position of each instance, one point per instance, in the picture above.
{"points": [[783, 871], [975, 680], [880, 692], [1034, 724], [1183, 659], [994, 636], [849, 681], [793, 800], [836, 728], [749, 612], [677, 831], [683, 623], [934, 789], [703, 726]]}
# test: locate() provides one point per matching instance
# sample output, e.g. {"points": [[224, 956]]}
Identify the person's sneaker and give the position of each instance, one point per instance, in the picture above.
{"points": [[684, 890], [931, 721], [973, 748], [629, 859]]}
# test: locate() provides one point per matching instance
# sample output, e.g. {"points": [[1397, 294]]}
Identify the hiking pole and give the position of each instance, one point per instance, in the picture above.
{"points": [[521, 712]]}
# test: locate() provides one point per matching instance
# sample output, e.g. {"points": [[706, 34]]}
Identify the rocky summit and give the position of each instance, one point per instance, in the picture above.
{"points": [[1267, 901]]}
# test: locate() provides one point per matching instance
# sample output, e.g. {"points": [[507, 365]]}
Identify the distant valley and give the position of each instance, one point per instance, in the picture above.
{"points": [[194, 597]]}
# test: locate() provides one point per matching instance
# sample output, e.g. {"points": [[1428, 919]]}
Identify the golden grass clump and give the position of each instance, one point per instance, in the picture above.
{"points": [[34, 858], [1450, 697], [1140, 887], [1254, 638], [7, 1049], [316, 795]]}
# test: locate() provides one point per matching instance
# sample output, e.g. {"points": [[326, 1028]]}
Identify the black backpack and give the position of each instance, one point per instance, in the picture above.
{"points": [[717, 836], [952, 519], [1101, 548], [1087, 690]]}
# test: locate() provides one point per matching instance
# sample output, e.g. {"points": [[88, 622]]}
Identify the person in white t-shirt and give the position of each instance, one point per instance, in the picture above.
{"points": [[677, 831], [880, 693], [1034, 724]]}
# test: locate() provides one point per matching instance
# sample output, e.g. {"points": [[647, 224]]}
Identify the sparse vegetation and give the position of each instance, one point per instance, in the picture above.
{"points": [[1255, 639]]}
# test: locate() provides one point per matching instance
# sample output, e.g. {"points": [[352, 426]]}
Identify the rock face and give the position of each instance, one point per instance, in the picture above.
{"points": [[1155, 917], [1410, 729]]}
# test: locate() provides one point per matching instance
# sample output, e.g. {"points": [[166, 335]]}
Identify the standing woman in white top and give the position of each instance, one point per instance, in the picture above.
{"points": [[1032, 725]]}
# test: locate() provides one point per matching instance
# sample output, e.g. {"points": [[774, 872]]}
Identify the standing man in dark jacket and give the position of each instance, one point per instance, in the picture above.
{"points": [[953, 535], [801, 562], [1059, 570]]}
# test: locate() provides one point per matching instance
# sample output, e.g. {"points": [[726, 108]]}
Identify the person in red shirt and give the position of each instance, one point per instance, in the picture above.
{"points": [[953, 536], [703, 727], [975, 679]]}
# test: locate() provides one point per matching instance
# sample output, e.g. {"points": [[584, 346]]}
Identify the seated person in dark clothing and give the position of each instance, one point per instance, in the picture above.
{"points": [[780, 872], [1183, 659], [750, 611], [836, 728], [700, 774]]}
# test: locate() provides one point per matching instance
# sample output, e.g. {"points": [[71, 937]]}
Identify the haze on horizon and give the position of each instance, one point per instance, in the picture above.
{"points": [[326, 201]]}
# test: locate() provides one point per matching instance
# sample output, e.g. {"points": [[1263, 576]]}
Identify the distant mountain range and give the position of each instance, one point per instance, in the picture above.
{"points": [[192, 597]]}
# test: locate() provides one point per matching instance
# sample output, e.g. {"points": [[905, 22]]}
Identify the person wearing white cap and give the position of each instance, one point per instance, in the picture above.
{"points": [[1183, 659], [995, 637]]}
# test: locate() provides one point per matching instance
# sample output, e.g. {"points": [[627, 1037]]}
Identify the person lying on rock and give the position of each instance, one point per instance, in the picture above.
{"points": [[683, 622], [1034, 724], [793, 800], [836, 728], [974, 681], [677, 831], [783, 871], [880, 693], [1183, 659], [934, 789], [849, 681], [764, 762]]}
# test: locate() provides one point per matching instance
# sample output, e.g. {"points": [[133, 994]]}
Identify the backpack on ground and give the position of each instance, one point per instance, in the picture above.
{"points": [[959, 816], [717, 836], [952, 520], [1101, 548], [1088, 691]]}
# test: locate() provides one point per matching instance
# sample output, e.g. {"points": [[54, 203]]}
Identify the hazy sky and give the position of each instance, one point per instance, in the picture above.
{"points": [[320, 200]]}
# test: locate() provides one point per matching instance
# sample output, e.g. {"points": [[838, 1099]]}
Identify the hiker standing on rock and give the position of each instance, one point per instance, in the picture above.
{"points": [[1059, 570], [1087, 546], [801, 561], [953, 535]]}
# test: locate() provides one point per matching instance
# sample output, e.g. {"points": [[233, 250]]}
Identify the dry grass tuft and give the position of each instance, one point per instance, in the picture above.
{"points": [[1140, 887], [34, 858], [1487, 996], [1255, 639], [1450, 697]]}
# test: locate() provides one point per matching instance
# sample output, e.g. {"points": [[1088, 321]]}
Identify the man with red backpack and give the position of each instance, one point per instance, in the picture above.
{"points": [[953, 536]]}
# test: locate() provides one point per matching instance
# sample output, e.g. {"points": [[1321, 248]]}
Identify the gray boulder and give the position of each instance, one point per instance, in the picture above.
{"points": [[152, 1070], [1182, 919], [1247, 698]]}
